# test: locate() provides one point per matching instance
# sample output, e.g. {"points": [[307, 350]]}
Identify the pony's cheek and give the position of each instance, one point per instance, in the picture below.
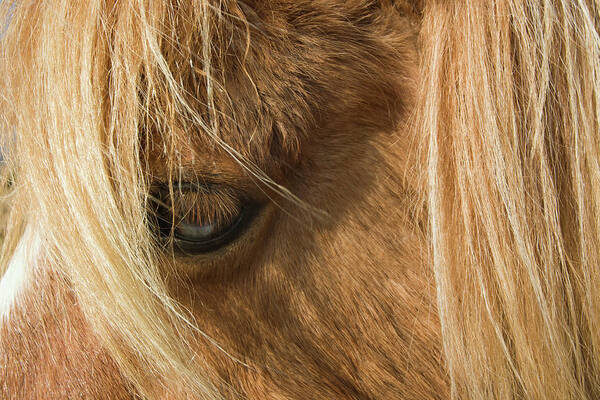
{"points": [[19, 275]]}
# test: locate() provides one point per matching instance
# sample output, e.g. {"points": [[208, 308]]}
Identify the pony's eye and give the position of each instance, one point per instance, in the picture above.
{"points": [[194, 236], [200, 220]]}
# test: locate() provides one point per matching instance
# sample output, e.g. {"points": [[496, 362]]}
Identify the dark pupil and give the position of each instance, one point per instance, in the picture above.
{"points": [[202, 220], [195, 227], [193, 237]]}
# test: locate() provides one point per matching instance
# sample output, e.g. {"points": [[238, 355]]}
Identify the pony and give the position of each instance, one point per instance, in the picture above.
{"points": [[300, 199]]}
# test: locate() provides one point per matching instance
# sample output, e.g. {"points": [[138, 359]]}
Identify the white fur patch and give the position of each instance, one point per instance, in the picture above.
{"points": [[19, 272]]}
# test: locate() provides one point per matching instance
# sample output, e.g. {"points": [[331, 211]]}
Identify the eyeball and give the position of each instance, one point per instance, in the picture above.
{"points": [[203, 219]]}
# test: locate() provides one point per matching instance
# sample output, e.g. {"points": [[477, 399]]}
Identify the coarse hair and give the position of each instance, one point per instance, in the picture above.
{"points": [[508, 114], [511, 109]]}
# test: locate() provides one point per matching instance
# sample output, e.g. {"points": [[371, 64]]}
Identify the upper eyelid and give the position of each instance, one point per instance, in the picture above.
{"points": [[205, 186], [166, 199], [189, 186]]}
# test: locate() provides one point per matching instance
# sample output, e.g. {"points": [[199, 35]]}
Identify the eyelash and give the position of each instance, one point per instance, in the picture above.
{"points": [[219, 216]]}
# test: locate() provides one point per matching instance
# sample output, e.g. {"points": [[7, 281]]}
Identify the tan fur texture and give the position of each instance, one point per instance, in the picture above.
{"points": [[426, 177]]}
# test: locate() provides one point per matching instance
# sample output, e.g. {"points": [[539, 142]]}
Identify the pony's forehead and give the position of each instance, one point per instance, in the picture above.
{"points": [[277, 79]]}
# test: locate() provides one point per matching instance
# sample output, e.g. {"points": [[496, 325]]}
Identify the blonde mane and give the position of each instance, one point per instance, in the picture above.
{"points": [[514, 195], [507, 115]]}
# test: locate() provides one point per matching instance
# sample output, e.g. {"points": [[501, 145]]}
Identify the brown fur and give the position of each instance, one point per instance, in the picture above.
{"points": [[319, 124], [48, 352], [343, 286]]}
